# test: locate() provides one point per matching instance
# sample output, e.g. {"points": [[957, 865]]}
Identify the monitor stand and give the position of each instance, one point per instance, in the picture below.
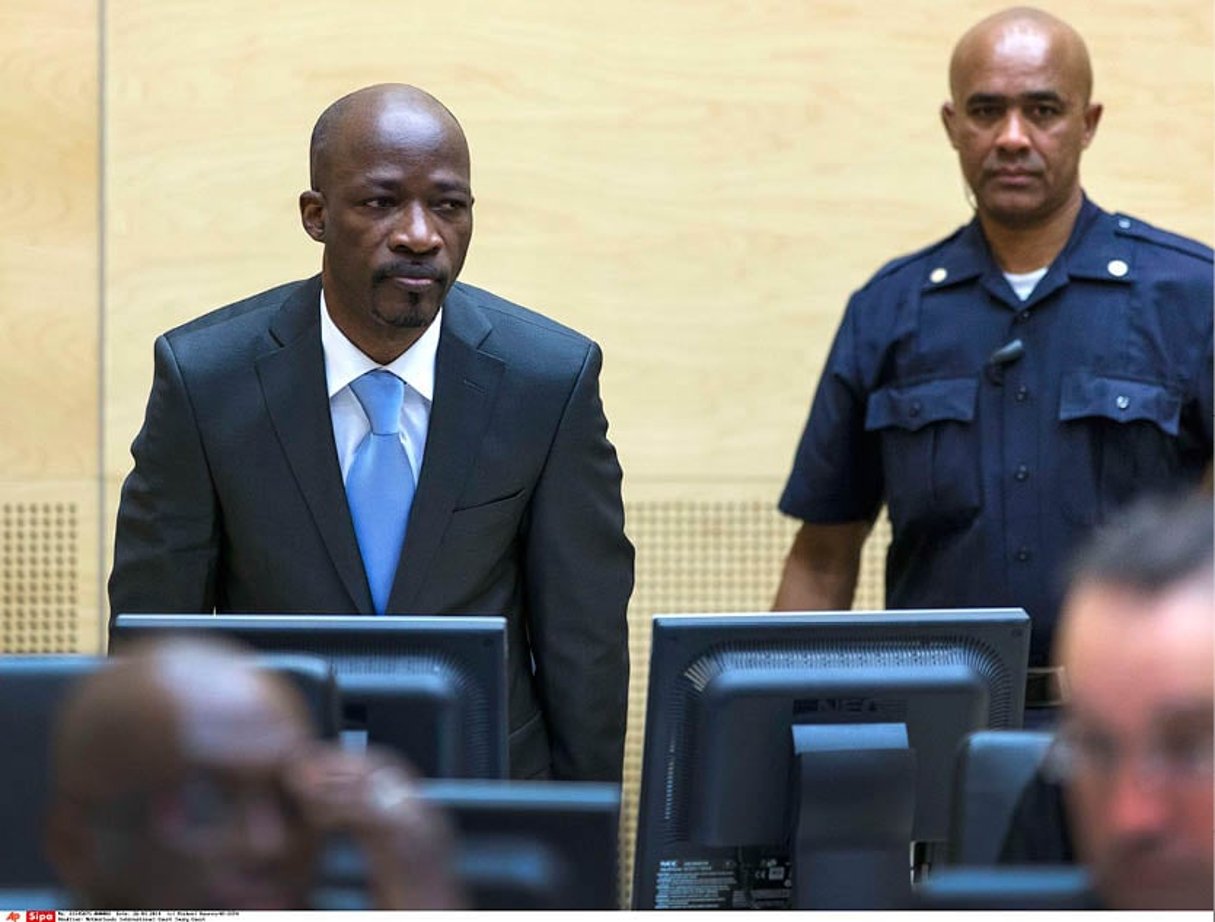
{"points": [[854, 786]]}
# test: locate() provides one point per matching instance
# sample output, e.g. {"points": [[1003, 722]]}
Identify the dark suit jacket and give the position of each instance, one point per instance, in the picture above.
{"points": [[236, 502]]}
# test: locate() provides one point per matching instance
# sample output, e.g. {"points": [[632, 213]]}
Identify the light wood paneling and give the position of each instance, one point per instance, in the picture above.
{"points": [[698, 185], [48, 240], [49, 315]]}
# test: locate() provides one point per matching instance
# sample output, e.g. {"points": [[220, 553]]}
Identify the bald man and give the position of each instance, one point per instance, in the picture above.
{"points": [[186, 777], [1004, 389], [381, 438]]}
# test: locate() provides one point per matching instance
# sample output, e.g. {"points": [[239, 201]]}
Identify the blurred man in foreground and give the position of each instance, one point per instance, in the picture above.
{"points": [[1134, 750], [187, 777]]}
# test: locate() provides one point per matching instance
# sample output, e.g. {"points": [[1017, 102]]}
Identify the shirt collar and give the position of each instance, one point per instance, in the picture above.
{"points": [[966, 256], [344, 361]]}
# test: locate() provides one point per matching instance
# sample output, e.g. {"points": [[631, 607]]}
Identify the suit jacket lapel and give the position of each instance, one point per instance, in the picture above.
{"points": [[293, 385], [466, 382]]}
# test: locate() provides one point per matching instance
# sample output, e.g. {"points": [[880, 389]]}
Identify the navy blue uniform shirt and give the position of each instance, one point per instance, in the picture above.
{"points": [[995, 459]]}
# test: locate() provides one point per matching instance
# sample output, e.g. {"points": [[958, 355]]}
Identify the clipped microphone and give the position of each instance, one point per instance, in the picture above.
{"points": [[1001, 359]]}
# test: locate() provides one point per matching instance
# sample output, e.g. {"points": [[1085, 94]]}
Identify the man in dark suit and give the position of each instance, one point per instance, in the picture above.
{"points": [[381, 439]]}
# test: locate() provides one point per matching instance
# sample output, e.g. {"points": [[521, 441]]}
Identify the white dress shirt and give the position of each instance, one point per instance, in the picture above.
{"points": [[344, 362]]}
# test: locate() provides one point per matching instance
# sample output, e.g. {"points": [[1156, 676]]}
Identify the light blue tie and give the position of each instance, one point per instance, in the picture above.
{"points": [[379, 484]]}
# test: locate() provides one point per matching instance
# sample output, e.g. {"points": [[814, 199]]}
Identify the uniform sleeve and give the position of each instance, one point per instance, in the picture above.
{"points": [[166, 546], [837, 470], [579, 575]]}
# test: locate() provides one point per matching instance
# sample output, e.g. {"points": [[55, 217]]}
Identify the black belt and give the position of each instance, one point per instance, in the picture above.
{"points": [[1044, 688]]}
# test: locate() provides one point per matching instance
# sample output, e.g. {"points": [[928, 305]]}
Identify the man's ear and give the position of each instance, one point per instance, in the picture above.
{"points": [[948, 113], [1092, 116], [312, 214]]}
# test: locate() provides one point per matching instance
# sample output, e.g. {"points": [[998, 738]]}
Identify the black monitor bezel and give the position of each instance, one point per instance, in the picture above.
{"points": [[476, 642]]}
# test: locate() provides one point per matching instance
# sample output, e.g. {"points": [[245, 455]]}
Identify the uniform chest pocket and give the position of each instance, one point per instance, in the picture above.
{"points": [[1119, 439], [930, 451]]}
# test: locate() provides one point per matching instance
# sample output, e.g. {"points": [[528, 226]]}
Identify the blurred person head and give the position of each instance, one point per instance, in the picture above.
{"points": [[186, 776], [1020, 115], [167, 784], [1134, 749]]}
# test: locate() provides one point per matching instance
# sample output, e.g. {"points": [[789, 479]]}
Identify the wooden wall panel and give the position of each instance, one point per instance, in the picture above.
{"points": [[699, 186], [48, 241], [49, 316]]}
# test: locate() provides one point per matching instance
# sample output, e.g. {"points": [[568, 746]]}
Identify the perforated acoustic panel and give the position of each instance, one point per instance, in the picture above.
{"points": [[48, 567], [695, 556], [38, 577]]}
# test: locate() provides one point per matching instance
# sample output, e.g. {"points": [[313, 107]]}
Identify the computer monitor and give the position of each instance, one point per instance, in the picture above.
{"points": [[432, 688], [31, 691], [791, 759], [524, 845]]}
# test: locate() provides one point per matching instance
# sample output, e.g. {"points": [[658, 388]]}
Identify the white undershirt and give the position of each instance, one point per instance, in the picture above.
{"points": [[1023, 283], [344, 362]]}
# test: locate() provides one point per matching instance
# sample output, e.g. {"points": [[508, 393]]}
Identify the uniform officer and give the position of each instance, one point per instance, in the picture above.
{"points": [[1007, 387]]}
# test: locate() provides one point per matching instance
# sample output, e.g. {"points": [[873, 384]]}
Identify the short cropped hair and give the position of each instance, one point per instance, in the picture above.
{"points": [[1151, 545]]}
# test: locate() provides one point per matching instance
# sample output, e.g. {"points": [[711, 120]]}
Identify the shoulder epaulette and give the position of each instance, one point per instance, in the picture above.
{"points": [[1127, 226], [900, 261]]}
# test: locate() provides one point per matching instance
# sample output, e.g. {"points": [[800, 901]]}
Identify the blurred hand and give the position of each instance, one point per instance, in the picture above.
{"points": [[373, 799]]}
